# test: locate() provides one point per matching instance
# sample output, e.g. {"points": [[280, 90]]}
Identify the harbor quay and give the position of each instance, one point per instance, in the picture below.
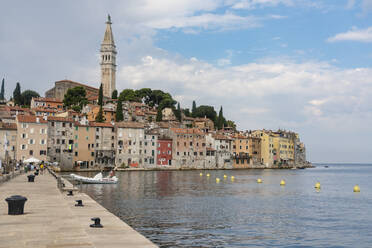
{"points": [[51, 219]]}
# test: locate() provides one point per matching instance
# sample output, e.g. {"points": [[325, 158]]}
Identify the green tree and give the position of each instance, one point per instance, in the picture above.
{"points": [[17, 94], [27, 96], [220, 119], [144, 94], [177, 112], [2, 93], [159, 115], [100, 95], [193, 110], [206, 111], [114, 94], [119, 111], [230, 123], [75, 98], [100, 117], [129, 95], [186, 112]]}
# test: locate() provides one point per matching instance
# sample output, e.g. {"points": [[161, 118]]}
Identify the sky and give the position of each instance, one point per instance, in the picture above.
{"points": [[298, 65]]}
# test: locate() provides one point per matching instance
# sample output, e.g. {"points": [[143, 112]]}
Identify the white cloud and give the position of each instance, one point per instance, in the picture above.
{"points": [[252, 4], [361, 35]]}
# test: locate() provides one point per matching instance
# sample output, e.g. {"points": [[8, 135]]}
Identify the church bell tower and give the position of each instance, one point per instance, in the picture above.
{"points": [[108, 61]]}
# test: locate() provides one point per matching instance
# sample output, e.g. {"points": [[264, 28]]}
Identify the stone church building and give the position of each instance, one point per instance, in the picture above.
{"points": [[108, 71]]}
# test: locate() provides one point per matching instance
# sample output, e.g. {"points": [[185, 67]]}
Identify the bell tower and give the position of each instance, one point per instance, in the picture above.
{"points": [[108, 61]]}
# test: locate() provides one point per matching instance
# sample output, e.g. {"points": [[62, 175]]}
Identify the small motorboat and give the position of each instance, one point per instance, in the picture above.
{"points": [[97, 179]]}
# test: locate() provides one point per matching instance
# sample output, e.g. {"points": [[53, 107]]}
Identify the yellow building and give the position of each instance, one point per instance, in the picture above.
{"points": [[268, 150], [84, 142]]}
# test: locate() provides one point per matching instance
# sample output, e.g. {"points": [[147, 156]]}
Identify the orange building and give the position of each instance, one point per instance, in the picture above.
{"points": [[46, 103], [240, 151]]}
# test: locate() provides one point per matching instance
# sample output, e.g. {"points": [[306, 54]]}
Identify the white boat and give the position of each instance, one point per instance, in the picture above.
{"points": [[97, 179]]}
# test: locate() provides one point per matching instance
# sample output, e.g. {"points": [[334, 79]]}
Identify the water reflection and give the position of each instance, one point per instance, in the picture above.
{"points": [[184, 209]]}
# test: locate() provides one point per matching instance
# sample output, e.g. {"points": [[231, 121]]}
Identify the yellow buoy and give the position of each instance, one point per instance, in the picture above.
{"points": [[201, 174], [217, 180], [232, 178], [259, 180], [224, 176], [282, 182], [356, 188], [208, 175], [317, 185]]}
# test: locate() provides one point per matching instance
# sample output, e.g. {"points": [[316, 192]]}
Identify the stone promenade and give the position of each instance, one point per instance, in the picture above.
{"points": [[52, 220]]}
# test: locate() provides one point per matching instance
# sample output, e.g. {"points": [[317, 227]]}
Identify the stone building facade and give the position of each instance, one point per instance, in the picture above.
{"points": [[105, 140], [32, 137], [60, 89], [8, 141]]}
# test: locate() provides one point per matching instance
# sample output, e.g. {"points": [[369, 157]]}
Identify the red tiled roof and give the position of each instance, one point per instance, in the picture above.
{"points": [[60, 119], [130, 124], [47, 99], [187, 131], [100, 124], [220, 137], [45, 110], [30, 119]]}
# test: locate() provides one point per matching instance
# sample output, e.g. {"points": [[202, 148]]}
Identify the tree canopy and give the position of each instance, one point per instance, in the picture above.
{"points": [[2, 93], [205, 111], [153, 98], [17, 97], [114, 94], [119, 111], [220, 120], [100, 95], [27, 96], [75, 98]]}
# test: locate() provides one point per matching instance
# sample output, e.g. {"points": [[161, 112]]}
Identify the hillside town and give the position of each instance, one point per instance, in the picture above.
{"points": [[80, 127]]}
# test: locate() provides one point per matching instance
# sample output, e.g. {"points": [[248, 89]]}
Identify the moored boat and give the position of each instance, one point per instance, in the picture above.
{"points": [[97, 179]]}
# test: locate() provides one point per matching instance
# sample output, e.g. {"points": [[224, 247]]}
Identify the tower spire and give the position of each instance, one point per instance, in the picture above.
{"points": [[108, 60]]}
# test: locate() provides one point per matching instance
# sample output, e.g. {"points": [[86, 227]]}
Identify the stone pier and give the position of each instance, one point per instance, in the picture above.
{"points": [[52, 220]]}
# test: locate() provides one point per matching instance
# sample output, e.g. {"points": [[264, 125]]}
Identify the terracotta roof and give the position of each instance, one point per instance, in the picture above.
{"points": [[30, 119], [45, 110], [60, 119], [8, 126], [188, 118], [187, 131], [140, 113], [79, 84], [210, 149], [100, 124], [47, 99], [168, 125], [92, 97], [151, 113], [220, 137], [139, 104], [130, 124]]}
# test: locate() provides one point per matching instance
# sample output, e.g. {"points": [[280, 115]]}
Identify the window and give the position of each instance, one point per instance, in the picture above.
{"points": [[31, 152], [42, 142], [130, 142], [195, 153], [153, 143], [145, 143], [24, 125], [23, 147], [178, 153], [92, 154], [63, 141], [112, 137], [52, 123], [42, 131], [158, 144], [201, 153], [153, 152], [42, 152], [24, 136], [57, 141], [31, 141], [169, 152], [158, 151], [169, 144], [76, 153], [31, 130], [63, 124], [178, 143], [153, 137], [190, 143]]}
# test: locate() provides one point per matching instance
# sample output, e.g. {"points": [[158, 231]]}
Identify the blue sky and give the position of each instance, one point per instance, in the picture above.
{"points": [[299, 65]]}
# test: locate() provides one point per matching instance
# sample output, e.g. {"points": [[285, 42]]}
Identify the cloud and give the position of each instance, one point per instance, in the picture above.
{"points": [[360, 35], [252, 4]]}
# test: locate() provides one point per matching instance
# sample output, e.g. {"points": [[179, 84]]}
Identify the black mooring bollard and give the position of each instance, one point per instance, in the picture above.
{"points": [[97, 222], [31, 178], [79, 203], [16, 204], [70, 193]]}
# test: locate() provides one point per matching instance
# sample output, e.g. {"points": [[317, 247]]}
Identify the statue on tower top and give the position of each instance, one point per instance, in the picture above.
{"points": [[109, 19]]}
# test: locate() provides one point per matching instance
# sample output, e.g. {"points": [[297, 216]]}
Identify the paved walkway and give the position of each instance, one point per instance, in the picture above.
{"points": [[52, 220]]}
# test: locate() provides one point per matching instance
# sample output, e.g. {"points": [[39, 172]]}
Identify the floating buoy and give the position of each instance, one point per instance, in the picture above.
{"points": [[259, 180], [232, 178], [217, 180], [208, 175], [201, 174], [356, 188], [224, 176], [317, 185], [282, 182]]}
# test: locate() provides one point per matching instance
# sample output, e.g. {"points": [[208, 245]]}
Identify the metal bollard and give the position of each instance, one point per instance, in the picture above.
{"points": [[16, 204], [97, 222], [70, 193], [79, 203], [31, 178]]}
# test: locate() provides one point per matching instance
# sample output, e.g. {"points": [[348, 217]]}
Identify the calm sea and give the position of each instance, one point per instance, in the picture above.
{"points": [[184, 209]]}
